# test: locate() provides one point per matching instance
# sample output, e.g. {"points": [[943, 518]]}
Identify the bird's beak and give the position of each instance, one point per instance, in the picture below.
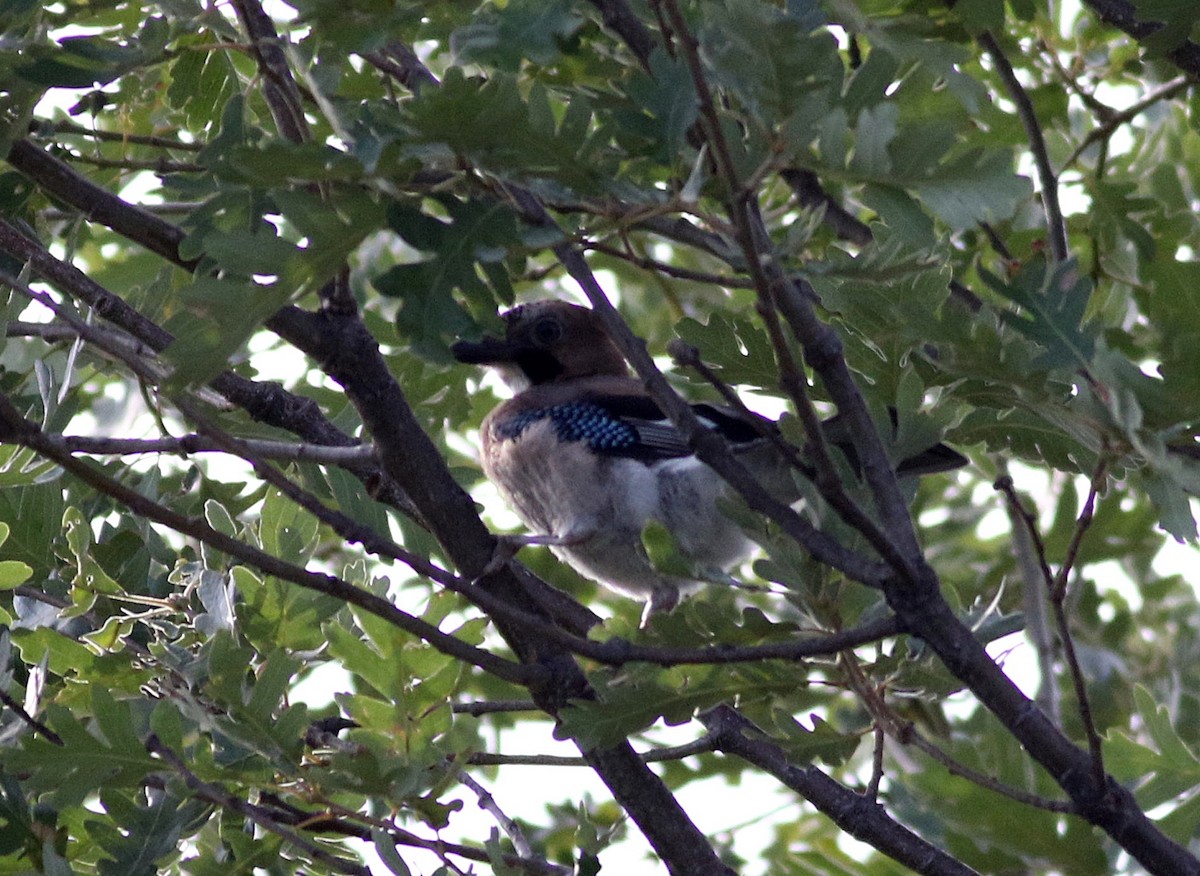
{"points": [[487, 351]]}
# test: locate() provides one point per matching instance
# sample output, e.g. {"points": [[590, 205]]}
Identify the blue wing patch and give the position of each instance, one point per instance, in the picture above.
{"points": [[577, 421]]}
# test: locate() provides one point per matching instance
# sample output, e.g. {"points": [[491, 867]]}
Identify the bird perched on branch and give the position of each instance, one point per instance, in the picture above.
{"points": [[588, 460]]}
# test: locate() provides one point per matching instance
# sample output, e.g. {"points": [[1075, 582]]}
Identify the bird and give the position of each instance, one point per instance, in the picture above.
{"points": [[587, 459]]}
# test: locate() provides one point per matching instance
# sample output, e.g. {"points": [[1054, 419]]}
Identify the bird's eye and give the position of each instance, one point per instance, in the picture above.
{"points": [[547, 331]]}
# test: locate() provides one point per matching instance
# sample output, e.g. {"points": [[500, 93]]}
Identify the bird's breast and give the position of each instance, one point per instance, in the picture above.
{"points": [[563, 488]]}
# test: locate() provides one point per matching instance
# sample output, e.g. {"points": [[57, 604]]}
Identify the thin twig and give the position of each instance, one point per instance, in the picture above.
{"points": [[911, 736], [1005, 485], [1056, 588], [488, 803], [257, 814], [1035, 597], [872, 789], [336, 818], [1058, 593], [1056, 226], [184, 445], [649, 264], [156, 165], [689, 356], [14, 428], [618, 652], [702, 745], [66, 126], [34, 723], [1116, 119], [489, 707]]}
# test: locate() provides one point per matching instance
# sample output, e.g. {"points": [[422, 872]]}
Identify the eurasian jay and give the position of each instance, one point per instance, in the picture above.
{"points": [[587, 459]]}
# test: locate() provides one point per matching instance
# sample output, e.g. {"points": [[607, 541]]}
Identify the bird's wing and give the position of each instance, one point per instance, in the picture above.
{"points": [[656, 436]]}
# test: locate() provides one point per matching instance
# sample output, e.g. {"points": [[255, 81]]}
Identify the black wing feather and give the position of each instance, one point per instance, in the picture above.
{"points": [[658, 438]]}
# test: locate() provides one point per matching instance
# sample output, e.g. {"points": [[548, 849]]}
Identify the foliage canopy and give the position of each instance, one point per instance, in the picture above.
{"points": [[249, 616]]}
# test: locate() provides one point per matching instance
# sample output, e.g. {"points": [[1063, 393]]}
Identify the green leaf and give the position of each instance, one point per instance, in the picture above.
{"points": [[981, 15], [822, 742], [85, 763], [1053, 300], [664, 552], [504, 36], [667, 96], [385, 847], [478, 233], [139, 837], [737, 349], [979, 186], [12, 572], [286, 529], [208, 331], [781, 65]]}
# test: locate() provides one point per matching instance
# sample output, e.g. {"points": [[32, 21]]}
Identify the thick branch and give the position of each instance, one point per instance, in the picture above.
{"points": [[97, 204], [861, 817], [351, 356], [1122, 14], [279, 88]]}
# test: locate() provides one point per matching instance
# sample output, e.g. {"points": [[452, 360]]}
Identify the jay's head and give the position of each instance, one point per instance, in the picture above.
{"points": [[546, 342]]}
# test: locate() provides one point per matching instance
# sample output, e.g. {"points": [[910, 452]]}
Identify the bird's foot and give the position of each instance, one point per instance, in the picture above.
{"points": [[508, 545], [502, 555], [662, 599]]}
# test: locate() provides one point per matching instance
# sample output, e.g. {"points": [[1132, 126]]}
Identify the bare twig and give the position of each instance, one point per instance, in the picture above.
{"points": [[1058, 593], [488, 707], [1056, 586], [66, 126], [654, 755], [488, 803], [156, 165], [14, 428], [1056, 226], [872, 789], [617, 652], [183, 445], [36, 725], [1115, 119], [1035, 597], [257, 814], [663, 268], [911, 736]]}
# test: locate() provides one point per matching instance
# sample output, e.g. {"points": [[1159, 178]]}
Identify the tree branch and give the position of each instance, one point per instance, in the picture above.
{"points": [[1122, 14], [1056, 226], [257, 814], [98, 204], [15, 429], [184, 445], [861, 817]]}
